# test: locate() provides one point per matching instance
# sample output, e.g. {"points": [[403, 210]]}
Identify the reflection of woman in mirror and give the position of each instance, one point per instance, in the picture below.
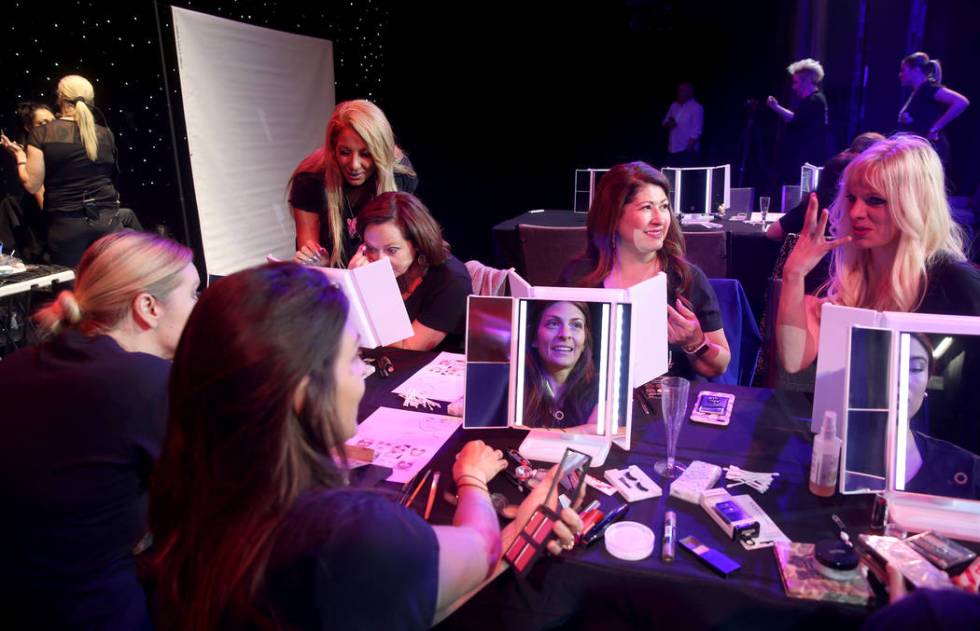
{"points": [[934, 466], [562, 385], [895, 248], [633, 236]]}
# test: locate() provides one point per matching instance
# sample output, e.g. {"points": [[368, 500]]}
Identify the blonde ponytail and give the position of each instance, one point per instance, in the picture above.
{"points": [[63, 313], [86, 128], [77, 90], [113, 271]]}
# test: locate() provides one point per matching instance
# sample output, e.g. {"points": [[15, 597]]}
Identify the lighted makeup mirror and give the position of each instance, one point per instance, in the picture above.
{"points": [[563, 362]]}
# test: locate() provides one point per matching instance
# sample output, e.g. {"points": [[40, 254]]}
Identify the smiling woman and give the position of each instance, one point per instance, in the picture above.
{"points": [[633, 236], [359, 160]]}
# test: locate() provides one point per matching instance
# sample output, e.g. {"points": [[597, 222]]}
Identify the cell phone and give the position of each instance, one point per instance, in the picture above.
{"points": [[730, 512], [713, 408]]}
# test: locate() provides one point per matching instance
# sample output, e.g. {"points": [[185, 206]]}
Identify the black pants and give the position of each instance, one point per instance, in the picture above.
{"points": [[70, 234]]}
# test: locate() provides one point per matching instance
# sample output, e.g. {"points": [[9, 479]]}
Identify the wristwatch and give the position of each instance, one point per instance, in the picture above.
{"points": [[700, 349]]}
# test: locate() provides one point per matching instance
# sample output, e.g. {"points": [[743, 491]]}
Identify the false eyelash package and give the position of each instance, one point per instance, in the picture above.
{"points": [[633, 484]]}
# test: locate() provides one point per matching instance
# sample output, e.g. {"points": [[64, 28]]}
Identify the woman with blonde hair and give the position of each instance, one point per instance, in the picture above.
{"points": [[84, 420], [895, 248], [358, 161], [74, 159]]}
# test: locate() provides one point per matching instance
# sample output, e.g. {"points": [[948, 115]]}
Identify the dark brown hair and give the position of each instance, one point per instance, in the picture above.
{"points": [[413, 219], [236, 456], [617, 188]]}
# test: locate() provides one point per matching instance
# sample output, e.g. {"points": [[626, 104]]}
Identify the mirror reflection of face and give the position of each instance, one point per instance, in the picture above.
{"points": [[560, 337], [353, 157], [871, 220], [386, 240], [918, 375], [646, 219]]}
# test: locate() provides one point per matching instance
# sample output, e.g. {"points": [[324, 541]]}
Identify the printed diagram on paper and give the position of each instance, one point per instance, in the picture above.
{"points": [[404, 440], [440, 380]]}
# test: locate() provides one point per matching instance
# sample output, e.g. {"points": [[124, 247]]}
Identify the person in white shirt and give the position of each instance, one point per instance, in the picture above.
{"points": [[684, 121]]}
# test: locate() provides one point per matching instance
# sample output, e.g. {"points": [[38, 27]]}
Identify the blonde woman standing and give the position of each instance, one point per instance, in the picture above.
{"points": [[359, 161], [73, 158], [84, 416]]}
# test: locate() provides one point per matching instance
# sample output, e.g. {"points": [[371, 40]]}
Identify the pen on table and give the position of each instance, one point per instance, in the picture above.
{"points": [[432, 495], [641, 399], [596, 532], [418, 488], [670, 534]]}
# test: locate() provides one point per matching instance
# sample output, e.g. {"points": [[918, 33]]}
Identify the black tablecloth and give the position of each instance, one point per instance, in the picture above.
{"points": [[751, 256], [586, 588]]}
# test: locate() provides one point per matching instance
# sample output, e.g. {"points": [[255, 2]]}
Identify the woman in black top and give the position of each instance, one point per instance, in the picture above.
{"points": [[84, 416], [434, 283], [74, 159], [633, 236], [806, 131], [931, 106], [253, 523], [358, 161]]}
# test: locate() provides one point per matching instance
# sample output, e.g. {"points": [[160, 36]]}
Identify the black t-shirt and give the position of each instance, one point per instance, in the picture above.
{"points": [[69, 176], [923, 109], [83, 423], [308, 194], [946, 609], [953, 289], [700, 294], [348, 559], [806, 134], [439, 302]]}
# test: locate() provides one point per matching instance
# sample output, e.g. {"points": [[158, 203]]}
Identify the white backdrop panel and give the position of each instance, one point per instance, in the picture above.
{"points": [[256, 102]]}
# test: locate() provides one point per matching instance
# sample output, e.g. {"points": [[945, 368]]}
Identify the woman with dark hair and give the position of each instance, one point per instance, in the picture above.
{"points": [[84, 415], [561, 388], [633, 236], [931, 106], [358, 160], [434, 283], [252, 522], [31, 114]]}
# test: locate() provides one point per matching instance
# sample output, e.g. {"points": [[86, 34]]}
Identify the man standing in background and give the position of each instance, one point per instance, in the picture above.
{"points": [[685, 122]]}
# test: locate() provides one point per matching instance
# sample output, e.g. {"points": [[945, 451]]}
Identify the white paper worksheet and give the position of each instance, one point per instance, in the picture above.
{"points": [[440, 380], [403, 439]]}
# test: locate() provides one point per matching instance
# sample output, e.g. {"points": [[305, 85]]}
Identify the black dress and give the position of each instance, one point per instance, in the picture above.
{"points": [[80, 199], [83, 423], [307, 194]]}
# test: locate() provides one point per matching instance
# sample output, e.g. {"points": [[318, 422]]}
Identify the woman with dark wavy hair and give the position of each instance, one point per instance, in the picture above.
{"points": [[254, 526], [560, 375], [633, 236]]}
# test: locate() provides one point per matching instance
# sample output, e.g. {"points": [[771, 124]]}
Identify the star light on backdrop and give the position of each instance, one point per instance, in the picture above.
{"points": [[115, 45]]}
